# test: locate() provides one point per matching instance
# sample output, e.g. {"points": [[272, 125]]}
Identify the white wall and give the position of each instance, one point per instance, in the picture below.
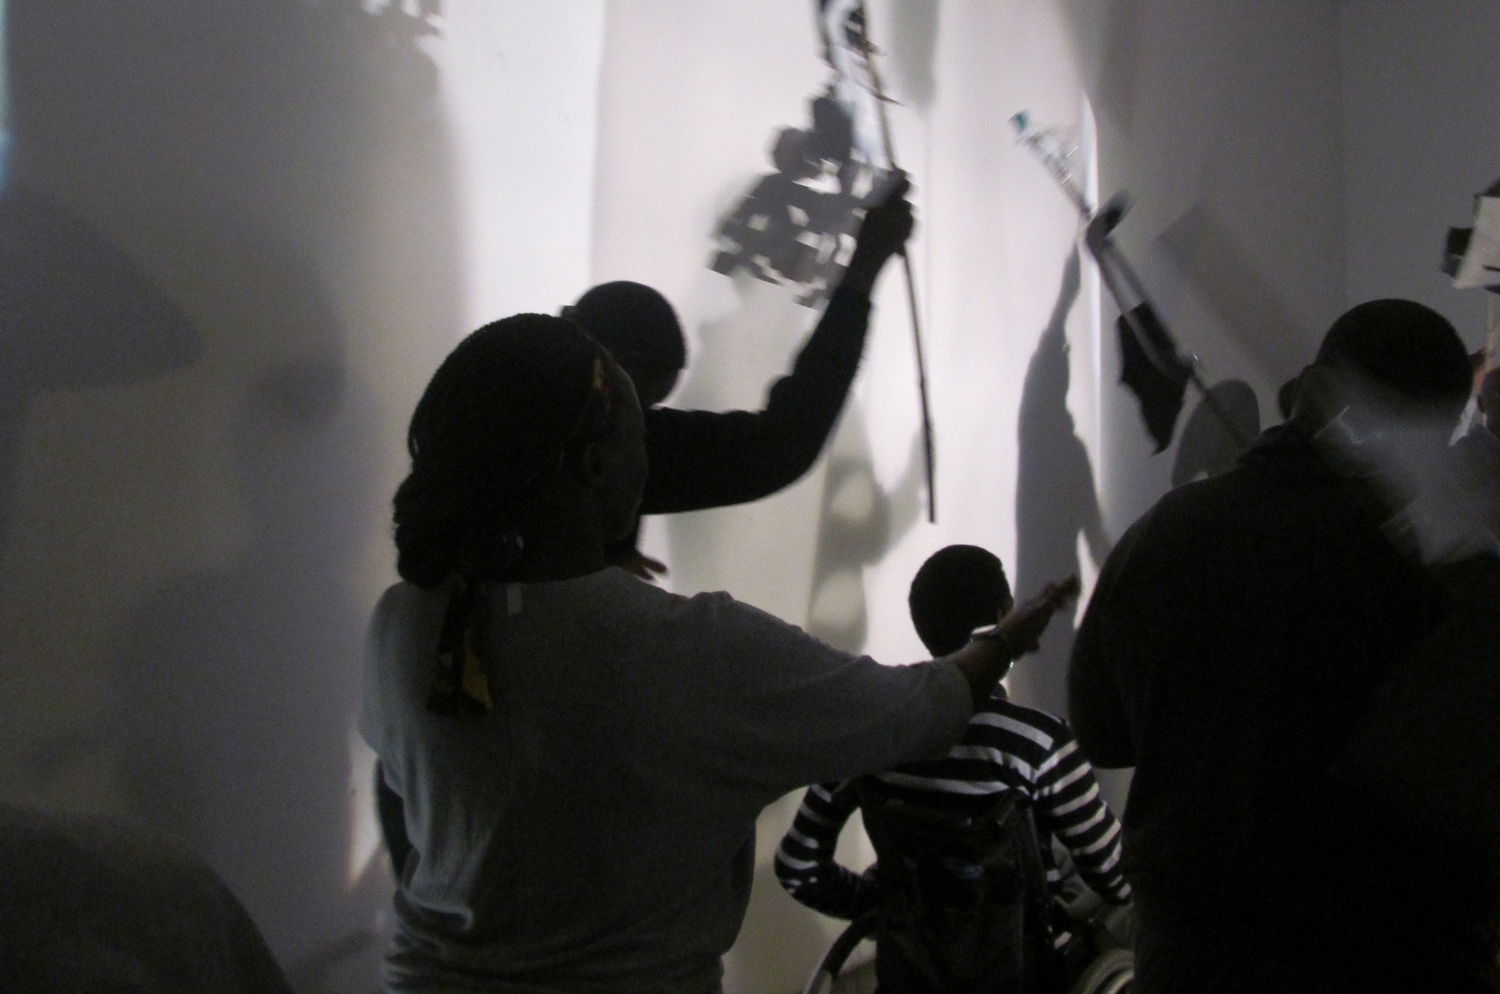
{"points": [[1421, 137]]}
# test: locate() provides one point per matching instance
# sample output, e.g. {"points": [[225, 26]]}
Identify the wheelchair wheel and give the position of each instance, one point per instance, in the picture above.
{"points": [[1112, 973], [823, 978]]}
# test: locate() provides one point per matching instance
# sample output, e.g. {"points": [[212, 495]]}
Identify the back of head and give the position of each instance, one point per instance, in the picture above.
{"points": [[502, 411], [958, 589], [636, 324], [1409, 351]]}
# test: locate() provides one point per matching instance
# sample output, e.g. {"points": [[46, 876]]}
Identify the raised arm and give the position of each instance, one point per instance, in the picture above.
{"points": [[703, 459], [804, 861]]}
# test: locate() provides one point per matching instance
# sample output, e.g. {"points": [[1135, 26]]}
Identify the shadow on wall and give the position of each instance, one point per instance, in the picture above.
{"points": [[1206, 447], [857, 524], [77, 313], [280, 169], [1055, 501]]}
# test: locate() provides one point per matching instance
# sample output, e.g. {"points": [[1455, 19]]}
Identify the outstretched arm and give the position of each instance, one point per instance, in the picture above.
{"points": [[703, 459], [804, 862]]}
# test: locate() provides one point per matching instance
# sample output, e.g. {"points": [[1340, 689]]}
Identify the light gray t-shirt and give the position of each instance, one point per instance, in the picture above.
{"points": [[596, 832]]}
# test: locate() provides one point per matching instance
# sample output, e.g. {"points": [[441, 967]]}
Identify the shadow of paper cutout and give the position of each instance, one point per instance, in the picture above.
{"points": [[1206, 447], [797, 225], [1055, 501], [1229, 282]]}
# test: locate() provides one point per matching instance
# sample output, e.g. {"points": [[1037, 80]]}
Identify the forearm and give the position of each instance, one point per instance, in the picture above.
{"points": [[863, 269], [983, 662], [703, 459]]}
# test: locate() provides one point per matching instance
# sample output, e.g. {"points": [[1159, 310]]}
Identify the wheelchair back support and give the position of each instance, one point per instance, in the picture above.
{"points": [[964, 904]]}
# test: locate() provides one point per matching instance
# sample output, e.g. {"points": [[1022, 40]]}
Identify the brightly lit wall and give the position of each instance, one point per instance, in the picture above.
{"points": [[243, 233]]}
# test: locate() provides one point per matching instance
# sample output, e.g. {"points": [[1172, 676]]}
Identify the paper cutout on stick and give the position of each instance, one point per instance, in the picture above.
{"points": [[1472, 255]]}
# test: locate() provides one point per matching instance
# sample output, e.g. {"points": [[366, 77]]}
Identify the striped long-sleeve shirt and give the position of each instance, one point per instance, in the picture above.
{"points": [[1005, 747]]}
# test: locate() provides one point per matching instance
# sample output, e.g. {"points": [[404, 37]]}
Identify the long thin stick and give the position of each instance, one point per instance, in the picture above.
{"points": [[1109, 257], [911, 283]]}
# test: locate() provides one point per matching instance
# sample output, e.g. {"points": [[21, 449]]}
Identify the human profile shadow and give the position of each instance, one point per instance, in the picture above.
{"points": [[1055, 501], [858, 522], [235, 688]]}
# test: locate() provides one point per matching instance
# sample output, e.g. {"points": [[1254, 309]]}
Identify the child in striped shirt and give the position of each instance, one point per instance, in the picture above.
{"points": [[1005, 748]]}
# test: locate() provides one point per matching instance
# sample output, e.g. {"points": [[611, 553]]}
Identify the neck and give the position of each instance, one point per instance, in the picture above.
{"points": [[561, 545]]}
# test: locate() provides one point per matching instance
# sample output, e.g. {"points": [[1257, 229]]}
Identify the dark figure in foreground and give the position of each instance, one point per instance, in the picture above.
{"points": [[1012, 764], [1236, 635], [704, 459], [89, 905], [583, 755]]}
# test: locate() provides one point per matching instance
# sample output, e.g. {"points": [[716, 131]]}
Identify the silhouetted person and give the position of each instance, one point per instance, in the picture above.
{"points": [[584, 755], [1236, 634], [1423, 760], [704, 459]]}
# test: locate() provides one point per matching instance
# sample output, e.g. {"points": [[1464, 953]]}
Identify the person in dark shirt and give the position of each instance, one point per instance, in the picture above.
{"points": [[1006, 749], [704, 459], [1235, 637]]}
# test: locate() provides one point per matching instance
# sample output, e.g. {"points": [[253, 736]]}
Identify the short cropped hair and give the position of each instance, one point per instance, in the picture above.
{"points": [[958, 589], [636, 323], [1402, 345]]}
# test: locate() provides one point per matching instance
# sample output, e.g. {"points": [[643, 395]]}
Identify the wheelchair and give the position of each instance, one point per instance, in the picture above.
{"points": [[997, 856]]}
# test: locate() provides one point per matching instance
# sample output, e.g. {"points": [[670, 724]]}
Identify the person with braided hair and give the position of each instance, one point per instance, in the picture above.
{"points": [[582, 755]]}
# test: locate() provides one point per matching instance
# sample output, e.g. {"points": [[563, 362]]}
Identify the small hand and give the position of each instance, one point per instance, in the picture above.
{"points": [[637, 563], [1022, 628]]}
